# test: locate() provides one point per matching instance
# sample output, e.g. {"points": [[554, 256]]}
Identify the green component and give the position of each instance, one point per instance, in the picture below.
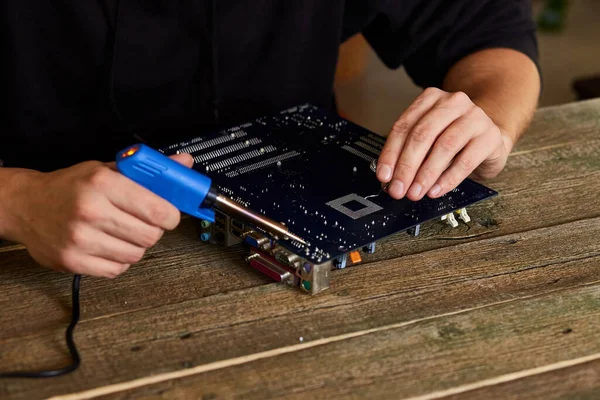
{"points": [[204, 223], [306, 285]]}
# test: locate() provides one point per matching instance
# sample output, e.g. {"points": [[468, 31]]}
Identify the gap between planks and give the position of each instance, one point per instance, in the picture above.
{"points": [[154, 379], [513, 376], [554, 146], [12, 247]]}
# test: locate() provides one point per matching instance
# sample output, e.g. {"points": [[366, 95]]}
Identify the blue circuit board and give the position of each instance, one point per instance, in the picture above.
{"points": [[312, 171]]}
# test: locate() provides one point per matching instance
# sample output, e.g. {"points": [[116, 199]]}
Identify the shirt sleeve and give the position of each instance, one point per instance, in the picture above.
{"points": [[429, 37]]}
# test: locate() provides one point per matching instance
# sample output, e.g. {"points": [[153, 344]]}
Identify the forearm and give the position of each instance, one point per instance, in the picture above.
{"points": [[11, 182], [504, 83]]}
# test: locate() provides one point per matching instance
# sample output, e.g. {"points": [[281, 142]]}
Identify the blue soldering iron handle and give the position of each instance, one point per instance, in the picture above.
{"points": [[183, 187]]}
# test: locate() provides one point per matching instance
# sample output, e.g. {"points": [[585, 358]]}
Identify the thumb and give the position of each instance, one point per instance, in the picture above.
{"points": [[183, 158]]}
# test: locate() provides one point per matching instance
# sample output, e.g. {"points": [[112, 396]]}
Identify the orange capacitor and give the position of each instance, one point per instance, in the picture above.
{"points": [[355, 257]]}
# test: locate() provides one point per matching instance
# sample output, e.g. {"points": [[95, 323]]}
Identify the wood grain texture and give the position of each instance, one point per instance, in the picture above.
{"points": [[179, 268], [581, 382], [417, 359], [264, 318], [562, 124], [188, 305]]}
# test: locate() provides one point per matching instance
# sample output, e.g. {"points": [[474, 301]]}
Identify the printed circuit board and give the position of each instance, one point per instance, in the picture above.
{"points": [[313, 171]]}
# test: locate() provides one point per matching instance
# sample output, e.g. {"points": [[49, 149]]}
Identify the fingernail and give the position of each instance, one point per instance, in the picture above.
{"points": [[435, 190], [415, 190], [385, 172], [397, 188]]}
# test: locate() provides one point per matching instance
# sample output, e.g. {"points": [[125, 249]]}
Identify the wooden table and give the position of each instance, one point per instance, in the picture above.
{"points": [[508, 306]]}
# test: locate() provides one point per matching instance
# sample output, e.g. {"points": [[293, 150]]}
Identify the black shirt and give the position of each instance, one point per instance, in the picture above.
{"points": [[80, 78]]}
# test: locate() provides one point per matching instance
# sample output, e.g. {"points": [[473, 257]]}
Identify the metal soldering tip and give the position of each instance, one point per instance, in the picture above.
{"points": [[263, 222], [296, 238]]}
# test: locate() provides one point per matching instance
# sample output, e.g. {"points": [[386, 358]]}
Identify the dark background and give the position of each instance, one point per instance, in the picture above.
{"points": [[373, 96]]}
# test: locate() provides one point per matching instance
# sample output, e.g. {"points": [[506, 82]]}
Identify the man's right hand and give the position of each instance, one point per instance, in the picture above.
{"points": [[89, 219]]}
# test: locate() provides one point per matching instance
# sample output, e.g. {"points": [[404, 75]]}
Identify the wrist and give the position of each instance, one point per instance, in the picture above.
{"points": [[508, 140], [13, 183], [507, 132]]}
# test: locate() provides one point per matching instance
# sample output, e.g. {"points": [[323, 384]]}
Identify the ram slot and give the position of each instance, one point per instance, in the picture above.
{"points": [[358, 153], [240, 158], [372, 142], [368, 148], [212, 142], [226, 150]]}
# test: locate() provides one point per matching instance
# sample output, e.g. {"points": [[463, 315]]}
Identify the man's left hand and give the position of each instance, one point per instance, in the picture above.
{"points": [[440, 140]]}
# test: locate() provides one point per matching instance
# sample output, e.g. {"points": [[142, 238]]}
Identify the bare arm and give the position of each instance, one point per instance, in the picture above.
{"points": [[10, 181], [503, 82]]}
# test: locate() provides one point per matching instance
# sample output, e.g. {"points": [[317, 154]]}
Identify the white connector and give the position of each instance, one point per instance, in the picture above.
{"points": [[450, 220], [462, 215]]}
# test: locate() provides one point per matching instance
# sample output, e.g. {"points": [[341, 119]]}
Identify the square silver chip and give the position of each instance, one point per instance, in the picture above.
{"points": [[368, 209]]}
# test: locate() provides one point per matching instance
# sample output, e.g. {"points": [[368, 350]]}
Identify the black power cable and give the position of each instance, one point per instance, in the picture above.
{"points": [[70, 344]]}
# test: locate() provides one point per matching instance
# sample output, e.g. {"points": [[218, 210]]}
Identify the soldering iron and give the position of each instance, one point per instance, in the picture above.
{"points": [[187, 189]]}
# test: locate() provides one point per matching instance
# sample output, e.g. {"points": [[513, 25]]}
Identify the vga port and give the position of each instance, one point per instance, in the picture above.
{"points": [[286, 257]]}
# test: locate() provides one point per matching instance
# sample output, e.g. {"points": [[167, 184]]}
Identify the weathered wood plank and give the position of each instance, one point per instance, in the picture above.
{"points": [[580, 381], [164, 339], [421, 358], [562, 124], [179, 268]]}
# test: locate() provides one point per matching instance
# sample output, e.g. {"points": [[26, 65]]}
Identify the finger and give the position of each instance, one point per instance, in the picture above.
{"points": [[85, 264], [395, 141], [421, 139], [463, 165], [99, 244], [446, 147], [121, 225], [140, 202]]}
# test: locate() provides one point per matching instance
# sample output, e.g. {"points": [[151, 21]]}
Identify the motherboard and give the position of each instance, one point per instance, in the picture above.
{"points": [[314, 172]]}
